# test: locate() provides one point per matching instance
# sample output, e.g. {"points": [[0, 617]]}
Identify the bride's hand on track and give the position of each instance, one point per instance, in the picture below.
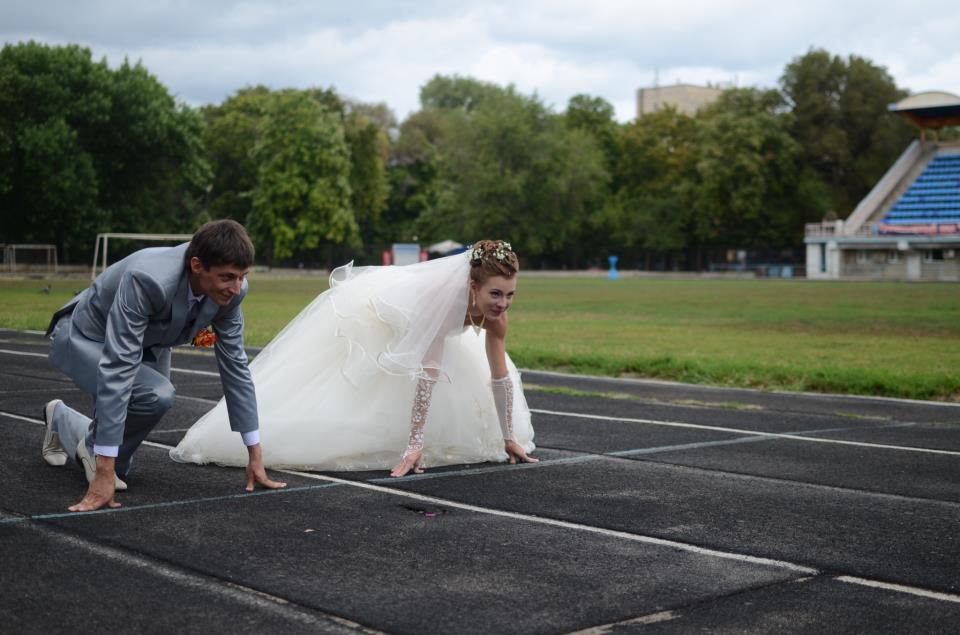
{"points": [[410, 461], [517, 454]]}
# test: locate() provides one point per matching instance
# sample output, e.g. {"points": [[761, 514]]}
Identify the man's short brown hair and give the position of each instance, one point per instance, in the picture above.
{"points": [[222, 242]]}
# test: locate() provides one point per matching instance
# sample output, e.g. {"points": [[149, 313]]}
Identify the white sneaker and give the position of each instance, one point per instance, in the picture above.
{"points": [[52, 452], [89, 464]]}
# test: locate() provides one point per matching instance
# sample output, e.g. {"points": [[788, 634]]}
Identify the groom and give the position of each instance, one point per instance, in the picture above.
{"points": [[114, 339]]}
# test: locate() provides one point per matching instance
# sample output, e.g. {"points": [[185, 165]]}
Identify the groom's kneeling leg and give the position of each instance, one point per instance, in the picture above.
{"points": [[149, 401]]}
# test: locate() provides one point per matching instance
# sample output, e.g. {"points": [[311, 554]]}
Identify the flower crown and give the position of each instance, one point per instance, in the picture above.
{"points": [[501, 253]]}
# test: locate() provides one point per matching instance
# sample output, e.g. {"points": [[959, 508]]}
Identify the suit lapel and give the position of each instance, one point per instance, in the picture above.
{"points": [[178, 314]]}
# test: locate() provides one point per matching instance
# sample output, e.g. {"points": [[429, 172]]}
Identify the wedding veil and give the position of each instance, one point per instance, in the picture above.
{"points": [[415, 308]]}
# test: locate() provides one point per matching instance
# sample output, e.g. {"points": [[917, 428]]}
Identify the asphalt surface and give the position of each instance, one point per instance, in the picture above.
{"points": [[657, 507]]}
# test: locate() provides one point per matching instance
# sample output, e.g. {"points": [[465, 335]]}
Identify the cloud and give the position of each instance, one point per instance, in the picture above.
{"points": [[384, 51]]}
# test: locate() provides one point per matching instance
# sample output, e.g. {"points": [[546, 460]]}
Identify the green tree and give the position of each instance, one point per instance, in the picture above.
{"points": [[840, 118], [456, 93], [230, 135], [234, 132], [748, 191], [594, 115], [412, 169], [510, 168], [366, 136], [84, 149], [302, 195], [649, 211]]}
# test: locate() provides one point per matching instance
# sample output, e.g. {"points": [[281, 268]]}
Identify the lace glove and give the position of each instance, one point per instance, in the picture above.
{"points": [[503, 398], [418, 415]]}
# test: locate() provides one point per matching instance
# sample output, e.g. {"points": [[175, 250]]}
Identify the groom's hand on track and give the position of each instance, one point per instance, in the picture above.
{"points": [[255, 472], [101, 490]]}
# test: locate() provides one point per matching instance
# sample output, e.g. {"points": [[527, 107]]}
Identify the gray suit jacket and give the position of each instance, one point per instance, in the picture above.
{"points": [[140, 303]]}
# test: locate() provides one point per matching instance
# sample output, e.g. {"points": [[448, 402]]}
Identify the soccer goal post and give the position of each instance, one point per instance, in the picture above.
{"points": [[100, 253], [47, 252]]}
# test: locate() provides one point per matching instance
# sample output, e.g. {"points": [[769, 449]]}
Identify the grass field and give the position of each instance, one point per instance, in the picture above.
{"points": [[892, 339]]}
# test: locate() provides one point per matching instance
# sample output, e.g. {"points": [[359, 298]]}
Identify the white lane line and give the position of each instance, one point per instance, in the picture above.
{"points": [[202, 583], [503, 467], [724, 389], [657, 382], [23, 353], [551, 522], [204, 373], [676, 424], [525, 517], [584, 458], [653, 618], [778, 435], [660, 382], [210, 402], [168, 504], [747, 439], [20, 418], [900, 588], [726, 555]]}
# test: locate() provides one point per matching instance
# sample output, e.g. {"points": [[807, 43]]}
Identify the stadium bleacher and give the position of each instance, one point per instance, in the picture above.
{"points": [[931, 205]]}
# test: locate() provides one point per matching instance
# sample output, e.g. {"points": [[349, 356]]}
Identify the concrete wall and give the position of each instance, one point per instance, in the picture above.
{"points": [[814, 262], [946, 270], [877, 265], [686, 98], [910, 266]]}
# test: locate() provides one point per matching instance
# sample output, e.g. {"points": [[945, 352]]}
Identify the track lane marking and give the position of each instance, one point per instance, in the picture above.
{"points": [[23, 353], [677, 424], [176, 503], [749, 439], [493, 512], [551, 522], [778, 435], [201, 582], [900, 588], [784, 393], [631, 380], [588, 457]]}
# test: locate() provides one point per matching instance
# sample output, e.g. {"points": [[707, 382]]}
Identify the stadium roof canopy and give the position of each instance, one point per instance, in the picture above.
{"points": [[931, 109]]}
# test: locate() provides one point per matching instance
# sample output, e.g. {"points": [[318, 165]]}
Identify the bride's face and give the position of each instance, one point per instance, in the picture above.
{"points": [[494, 296]]}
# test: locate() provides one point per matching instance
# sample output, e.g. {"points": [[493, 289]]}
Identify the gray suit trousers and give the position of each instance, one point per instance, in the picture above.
{"points": [[152, 394]]}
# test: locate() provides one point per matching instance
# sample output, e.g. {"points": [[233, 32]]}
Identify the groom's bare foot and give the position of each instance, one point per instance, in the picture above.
{"points": [[259, 477]]}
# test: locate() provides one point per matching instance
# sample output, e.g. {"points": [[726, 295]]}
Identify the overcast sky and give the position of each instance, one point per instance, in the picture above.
{"points": [[379, 51]]}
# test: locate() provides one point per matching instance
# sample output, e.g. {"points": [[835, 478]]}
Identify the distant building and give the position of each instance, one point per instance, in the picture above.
{"points": [[686, 98]]}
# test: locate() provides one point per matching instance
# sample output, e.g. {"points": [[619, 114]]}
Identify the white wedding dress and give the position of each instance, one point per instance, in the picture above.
{"points": [[336, 386]]}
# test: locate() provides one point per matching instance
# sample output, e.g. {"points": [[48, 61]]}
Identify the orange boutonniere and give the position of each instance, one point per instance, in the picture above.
{"points": [[205, 338]]}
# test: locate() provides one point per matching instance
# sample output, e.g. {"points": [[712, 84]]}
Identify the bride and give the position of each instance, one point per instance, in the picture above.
{"points": [[362, 369]]}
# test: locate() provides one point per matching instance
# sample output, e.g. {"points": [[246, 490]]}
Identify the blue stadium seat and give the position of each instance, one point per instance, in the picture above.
{"points": [[932, 199]]}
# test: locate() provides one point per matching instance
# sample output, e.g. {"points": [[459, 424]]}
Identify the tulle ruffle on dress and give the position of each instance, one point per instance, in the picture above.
{"points": [[335, 387]]}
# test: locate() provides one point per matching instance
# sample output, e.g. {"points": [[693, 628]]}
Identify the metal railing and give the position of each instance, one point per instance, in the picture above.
{"points": [[828, 229]]}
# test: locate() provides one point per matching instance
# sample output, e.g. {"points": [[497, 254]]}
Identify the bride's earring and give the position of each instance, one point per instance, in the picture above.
{"points": [[476, 327]]}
